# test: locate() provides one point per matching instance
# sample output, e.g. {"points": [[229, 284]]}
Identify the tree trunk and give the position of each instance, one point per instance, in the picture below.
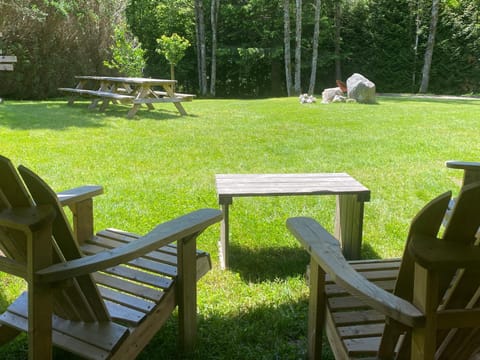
{"points": [[338, 27], [298, 46], [286, 41], [429, 50], [418, 23], [316, 33], [214, 20], [201, 46]]}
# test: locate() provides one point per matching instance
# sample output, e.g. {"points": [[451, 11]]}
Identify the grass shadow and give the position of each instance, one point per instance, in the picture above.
{"points": [[45, 115], [276, 331], [368, 252], [430, 99], [267, 264], [271, 263], [57, 115]]}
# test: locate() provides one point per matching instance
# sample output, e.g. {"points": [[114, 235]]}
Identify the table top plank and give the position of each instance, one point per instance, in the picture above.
{"points": [[237, 185]]}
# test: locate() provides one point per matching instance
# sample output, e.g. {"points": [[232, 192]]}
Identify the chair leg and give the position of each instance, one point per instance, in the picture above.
{"points": [[316, 310], [187, 293], [40, 299]]}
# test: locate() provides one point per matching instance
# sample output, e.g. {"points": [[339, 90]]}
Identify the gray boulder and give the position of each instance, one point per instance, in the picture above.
{"points": [[361, 89], [329, 94]]}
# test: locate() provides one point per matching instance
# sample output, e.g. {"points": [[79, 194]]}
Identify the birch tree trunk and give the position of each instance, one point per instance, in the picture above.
{"points": [[316, 33], [427, 64], [286, 41], [298, 46], [201, 47], [418, 24], [214, 20]]}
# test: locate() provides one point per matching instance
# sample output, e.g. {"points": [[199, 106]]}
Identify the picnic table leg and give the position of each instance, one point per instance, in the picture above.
{"points": [[349, 225], [170, 90], [133, 110], [104, 104], [80, 85], [93, 104], [224, 234], [180, 108], [141, 94]]}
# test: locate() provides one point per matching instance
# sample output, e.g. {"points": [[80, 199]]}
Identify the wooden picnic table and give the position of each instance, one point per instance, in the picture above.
{"points": [[351, 196], [131, 90], [6, 63]]}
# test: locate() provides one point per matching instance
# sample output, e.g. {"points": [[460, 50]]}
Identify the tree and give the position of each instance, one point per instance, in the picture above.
{"points": [[298, 46], [286, 41], [316, 34], [56, 40], [173, 48], [215, 5], [427, 64], [127, 53], [201, 46]]}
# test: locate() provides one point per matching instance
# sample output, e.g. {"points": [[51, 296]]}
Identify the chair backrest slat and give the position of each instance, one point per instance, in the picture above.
{"points": [[461, 228], [81, 299], [427, 222], [12, 194], [87, 299]]}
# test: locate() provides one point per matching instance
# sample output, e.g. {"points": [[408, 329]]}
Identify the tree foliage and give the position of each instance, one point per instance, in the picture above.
{"points": [[128, 57], [54, 41], [384, 40], [173, 48]]}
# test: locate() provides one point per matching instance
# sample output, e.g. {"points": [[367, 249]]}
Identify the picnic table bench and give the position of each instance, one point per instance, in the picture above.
{"points": [[6, 62], [135, 91]]}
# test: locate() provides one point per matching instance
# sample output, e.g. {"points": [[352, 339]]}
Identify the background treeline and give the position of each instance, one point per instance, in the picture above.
{"points": [[384, 40]]}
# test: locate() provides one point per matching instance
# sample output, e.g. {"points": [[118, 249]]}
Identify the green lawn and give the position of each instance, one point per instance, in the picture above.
{"points": [[161, 165]]}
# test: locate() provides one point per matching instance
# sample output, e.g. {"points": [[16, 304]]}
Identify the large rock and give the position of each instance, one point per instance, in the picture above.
{"points": [[329, 94], [361, 89]]}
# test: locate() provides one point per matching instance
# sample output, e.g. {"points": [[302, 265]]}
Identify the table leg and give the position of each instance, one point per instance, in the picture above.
{"points": [[133, 110], [349, 225], [170, 90], [224, 236], [71, 99]]}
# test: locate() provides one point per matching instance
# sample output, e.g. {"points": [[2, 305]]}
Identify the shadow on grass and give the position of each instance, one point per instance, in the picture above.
{"points": [[263, 332], [430, 99], [369, 253], [267, 264], [58, 115]]}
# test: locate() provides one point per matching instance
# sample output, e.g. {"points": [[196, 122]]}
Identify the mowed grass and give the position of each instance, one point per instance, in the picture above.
{"points": [[160, 165]]}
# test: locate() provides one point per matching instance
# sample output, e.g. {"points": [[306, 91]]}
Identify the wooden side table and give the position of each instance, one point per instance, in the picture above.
{"points": [[351, 196]]}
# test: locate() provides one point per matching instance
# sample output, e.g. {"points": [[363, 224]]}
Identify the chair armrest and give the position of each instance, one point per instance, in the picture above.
{"points": [[471, 170], [27, 219], [326, 252], [182, 227], [463, 165], [437, 254], [72, 196]]}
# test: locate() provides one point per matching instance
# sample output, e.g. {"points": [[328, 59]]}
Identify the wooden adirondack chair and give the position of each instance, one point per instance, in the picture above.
{"points": [[108, 304], [424, 306]]}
